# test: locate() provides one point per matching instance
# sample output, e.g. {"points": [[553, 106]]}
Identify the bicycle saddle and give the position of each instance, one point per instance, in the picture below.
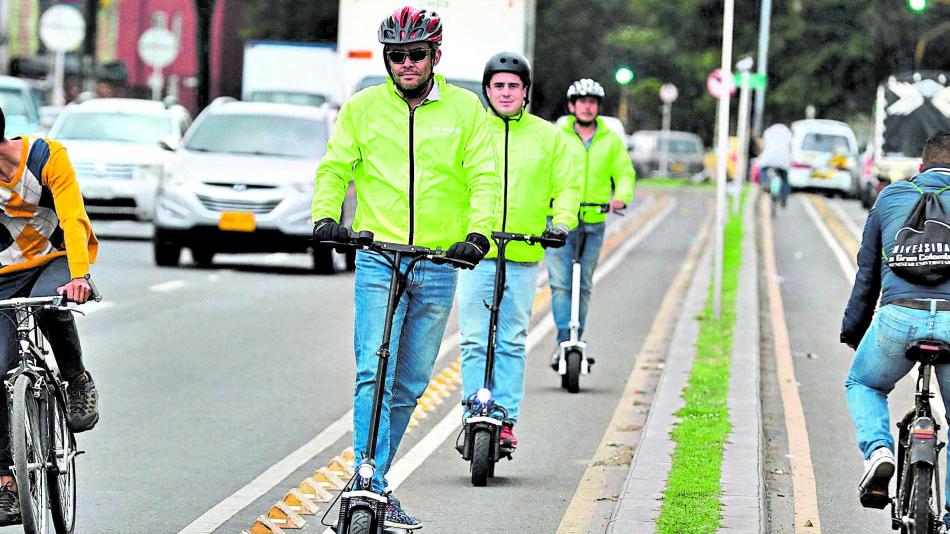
{"points": [[929, 351]]}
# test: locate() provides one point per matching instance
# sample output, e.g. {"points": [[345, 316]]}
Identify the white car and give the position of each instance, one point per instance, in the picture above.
{"points": [[242, 181], [119, 147], [824, 156]]}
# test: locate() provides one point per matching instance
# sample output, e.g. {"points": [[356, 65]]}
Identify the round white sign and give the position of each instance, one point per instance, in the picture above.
{"points": [[158, 47], [669, 93], [62, 28]]}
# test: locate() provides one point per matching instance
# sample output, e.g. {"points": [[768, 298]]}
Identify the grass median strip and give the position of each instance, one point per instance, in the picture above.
{"points": [[691, 498]]}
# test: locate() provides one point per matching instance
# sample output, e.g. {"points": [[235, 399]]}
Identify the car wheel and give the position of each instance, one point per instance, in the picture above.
{"points": [[323, 262], [166, 254], [203, 257]]}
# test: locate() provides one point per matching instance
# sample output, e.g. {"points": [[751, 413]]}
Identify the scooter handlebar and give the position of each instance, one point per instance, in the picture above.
{"points": [[365, 240], [527, 238]]}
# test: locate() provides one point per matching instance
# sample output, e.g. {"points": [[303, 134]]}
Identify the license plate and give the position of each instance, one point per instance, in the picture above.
{"points": [[821, 175], [98, 192], [237, 221], [677, 167]]}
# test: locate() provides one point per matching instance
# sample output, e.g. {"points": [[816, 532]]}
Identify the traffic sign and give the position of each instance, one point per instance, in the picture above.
{"points": [[754, 79], [62, 28], [716, 86], [669, 93], [158, 47]]}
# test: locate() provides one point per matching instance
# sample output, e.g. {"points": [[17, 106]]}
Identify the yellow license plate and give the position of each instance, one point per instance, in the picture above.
{"points": [[237, 221], [677, 167], [821, 175]]}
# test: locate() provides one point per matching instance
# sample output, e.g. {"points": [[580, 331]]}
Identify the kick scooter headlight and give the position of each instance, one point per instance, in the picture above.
{"points": [[366, 471], [483, 395]]}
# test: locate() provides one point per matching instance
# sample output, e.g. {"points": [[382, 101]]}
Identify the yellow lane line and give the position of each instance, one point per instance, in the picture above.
{"points": [[803, 473], [843, 235], [616, 447]]}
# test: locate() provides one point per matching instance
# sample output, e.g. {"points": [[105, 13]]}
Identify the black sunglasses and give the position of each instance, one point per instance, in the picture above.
{"points": [[416, 55]]}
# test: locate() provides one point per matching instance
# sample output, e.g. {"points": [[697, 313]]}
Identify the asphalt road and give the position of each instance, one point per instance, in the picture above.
{"points": [[815, 291], [209, 377]]}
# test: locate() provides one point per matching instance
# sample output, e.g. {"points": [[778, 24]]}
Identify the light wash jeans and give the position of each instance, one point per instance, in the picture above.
{"points": [[879, 363], [414, 347], [559, 276], [475, 290]]}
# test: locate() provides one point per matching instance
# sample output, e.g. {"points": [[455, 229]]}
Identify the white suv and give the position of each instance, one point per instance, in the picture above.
{"points": [[116, 146], [242, 181]]}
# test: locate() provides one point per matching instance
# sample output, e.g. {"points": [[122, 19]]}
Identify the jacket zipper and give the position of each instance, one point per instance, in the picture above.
{"points": [[412, 175], [504, 213]]}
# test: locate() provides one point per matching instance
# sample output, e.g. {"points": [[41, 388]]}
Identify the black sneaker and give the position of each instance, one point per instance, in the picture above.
{"points": [[9, 506], [82, 403]]}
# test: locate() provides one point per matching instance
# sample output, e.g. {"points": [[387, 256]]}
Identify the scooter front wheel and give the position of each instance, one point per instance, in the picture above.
{"points": [[361, 522], [572, 378], [481, 458]]}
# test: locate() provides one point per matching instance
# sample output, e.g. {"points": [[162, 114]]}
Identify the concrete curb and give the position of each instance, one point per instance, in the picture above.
{"points": [[741, 483], [638, 504]]}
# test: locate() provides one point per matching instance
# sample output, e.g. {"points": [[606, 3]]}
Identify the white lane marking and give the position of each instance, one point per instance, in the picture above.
{"points": [[449, 424], [93, 306], [214, 277], [170, 285], [846, 220], [271, 476], [850, 270]]}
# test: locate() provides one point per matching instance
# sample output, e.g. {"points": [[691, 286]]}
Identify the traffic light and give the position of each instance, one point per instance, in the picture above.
{"points": [[624, 75], [917, 5]]}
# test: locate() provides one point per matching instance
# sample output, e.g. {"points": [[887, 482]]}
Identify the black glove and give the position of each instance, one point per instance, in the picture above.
{"points": [[472, 250], [329, 230], [557, 233]]}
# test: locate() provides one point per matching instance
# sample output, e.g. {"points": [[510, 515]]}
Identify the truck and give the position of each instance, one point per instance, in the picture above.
{"points": [[474, 30], [291, 73], [910, 107]]}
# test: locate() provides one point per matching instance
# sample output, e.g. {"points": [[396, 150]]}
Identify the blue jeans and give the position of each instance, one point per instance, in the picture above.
{"points": [[559, 276], [475, 289], [414, 346], [879, 363]]}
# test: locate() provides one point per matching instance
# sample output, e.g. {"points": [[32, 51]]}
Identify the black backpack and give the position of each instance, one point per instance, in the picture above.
{"points": [[921, 252]]}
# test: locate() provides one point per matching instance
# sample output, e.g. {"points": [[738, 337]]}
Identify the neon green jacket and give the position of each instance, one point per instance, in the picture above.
{"points": [[538, 162], [608, 169], [425, 177]]}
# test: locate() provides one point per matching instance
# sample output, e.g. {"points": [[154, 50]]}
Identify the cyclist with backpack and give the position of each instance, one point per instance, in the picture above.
{"points": [[420, 154], [900, 262]]}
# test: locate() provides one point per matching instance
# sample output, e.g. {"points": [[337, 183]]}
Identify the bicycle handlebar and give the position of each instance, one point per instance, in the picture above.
{"points": [[527, 238], [604, 207], [365, 241]]}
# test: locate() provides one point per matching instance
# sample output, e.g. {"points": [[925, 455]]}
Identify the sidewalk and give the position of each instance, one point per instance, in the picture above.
{"points": [[741, 483]]}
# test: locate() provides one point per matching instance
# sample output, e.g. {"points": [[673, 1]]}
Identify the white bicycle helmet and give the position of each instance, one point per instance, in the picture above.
{"points": [[585, 87]]}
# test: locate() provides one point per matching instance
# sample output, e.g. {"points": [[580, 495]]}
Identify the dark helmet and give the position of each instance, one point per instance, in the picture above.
{"points": [[507, 62], [410, 25]]}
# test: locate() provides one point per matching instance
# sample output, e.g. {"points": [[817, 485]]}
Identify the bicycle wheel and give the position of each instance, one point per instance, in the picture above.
{"points": [[61, 476], [920, 512], [27, 423]]}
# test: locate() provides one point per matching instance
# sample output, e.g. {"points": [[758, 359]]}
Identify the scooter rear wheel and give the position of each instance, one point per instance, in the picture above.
{"points": [[481, 458], [361, 522], [571, 380]]}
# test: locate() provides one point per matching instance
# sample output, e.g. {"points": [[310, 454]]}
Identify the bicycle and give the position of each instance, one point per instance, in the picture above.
{"points": [[482, 424], [43, 447], [362, 510], [916, 507]]}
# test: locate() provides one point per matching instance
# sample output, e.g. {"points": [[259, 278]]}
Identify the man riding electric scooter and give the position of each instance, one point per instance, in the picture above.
{"points": [[538, 162], [419, 152], [607, 178]]}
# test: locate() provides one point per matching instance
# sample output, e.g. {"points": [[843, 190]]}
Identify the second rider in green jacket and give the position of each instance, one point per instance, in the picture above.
{"points": [[537, 164]]}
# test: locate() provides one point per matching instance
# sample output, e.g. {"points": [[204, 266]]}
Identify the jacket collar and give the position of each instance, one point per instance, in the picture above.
{"points": [[435, 94], [945, 169]]}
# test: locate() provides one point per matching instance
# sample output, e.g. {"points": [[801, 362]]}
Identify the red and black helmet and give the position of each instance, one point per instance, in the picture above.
{"points": [[410, 25]]}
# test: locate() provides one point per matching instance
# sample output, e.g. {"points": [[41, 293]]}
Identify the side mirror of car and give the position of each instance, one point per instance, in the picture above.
{"points": [[169, 143]]}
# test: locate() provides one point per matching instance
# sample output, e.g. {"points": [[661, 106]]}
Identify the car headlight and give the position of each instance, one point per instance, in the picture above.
{"points": [[148, 172]]}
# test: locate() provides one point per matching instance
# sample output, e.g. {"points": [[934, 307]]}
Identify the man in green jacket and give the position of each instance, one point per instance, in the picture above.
{"points": [[538, 162], [607, 178], [420, 154]]}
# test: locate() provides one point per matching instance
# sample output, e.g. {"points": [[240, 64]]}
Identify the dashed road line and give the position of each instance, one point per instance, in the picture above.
{"points": [[165, 287]]}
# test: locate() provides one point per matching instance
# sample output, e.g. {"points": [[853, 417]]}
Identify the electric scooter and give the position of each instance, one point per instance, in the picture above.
{"points": [[362, 510], [480, 431], [572, 359]]}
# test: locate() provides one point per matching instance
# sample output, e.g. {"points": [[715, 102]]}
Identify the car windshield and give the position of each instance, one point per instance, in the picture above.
{"points": [[265, 135], [818, 142], [684, 146], [16, 106], [288, 97], [119, 127]]}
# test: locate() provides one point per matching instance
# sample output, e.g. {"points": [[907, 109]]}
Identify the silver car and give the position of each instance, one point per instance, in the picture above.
{"points": [[242, 181]]}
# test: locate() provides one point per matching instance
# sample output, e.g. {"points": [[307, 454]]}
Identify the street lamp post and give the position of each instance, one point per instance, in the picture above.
{"points": [[763, 61], [742, 154], [722, 151]]}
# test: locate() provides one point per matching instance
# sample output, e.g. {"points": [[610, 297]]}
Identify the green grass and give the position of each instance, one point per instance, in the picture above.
{"points": [[675, 182], [691, 498]]}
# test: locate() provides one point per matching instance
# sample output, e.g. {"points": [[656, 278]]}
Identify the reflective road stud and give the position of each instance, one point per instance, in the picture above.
{"points": [[282, 515], [264, 525], [312, 490], [299, 503], [328, 479]]}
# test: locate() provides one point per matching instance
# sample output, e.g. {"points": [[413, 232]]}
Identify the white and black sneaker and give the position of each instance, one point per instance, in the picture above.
{"points": [[878, 470]]}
